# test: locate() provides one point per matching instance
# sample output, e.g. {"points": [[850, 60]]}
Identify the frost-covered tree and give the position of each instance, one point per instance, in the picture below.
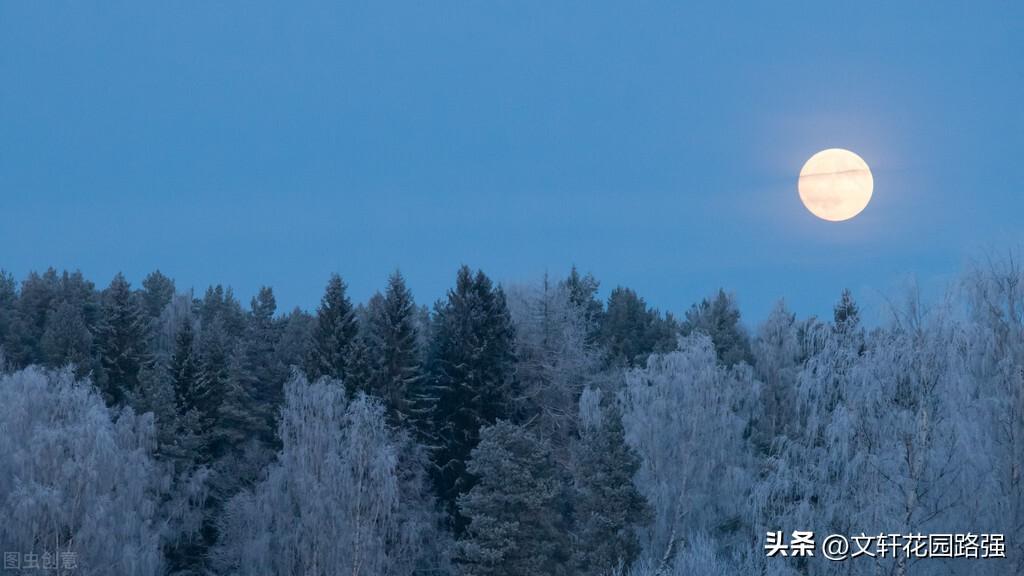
{"points": [[514, 525], [777, 360], [607, 507], [333, 502], [685, 414], [994, 426], [582, 291], [555, 357], [879, 439], [74, 475], [472, 370]]}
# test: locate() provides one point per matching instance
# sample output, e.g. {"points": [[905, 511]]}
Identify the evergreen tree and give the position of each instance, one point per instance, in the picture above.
{"points": [[472, 368], [122, 341], [395, 367], [335, 330], [608, 506], [24, 344], [157, 292], [846, 314], [223, 326], [846, 323], [630, 331], [719, 319], [184, 369], [514, 527], [296, 333], [8, 309], [583, 295], [191, 398], [173, 390], [67, 339], [215, 361], [267, 387]]}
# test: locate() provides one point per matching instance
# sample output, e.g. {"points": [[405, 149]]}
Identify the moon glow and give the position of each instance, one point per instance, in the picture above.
{"points": [[835, 184]]}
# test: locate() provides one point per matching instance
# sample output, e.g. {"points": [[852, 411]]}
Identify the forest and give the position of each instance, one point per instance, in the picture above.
{"points": [[505, 430]]}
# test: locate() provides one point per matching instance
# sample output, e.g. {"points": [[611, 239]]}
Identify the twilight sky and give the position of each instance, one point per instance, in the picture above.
{"points": [[656, 145]]}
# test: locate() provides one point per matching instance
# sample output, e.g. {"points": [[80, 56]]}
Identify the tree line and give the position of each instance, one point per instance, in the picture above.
{"points": [[533, 429]]}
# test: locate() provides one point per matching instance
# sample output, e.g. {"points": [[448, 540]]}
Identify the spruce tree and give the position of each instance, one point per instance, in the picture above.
{"points": [[608, 507], [846, 323], [472, 368], [34, 302], [122, 341], [266, 384], [71, 321], [395, 367], [846, 314], [191, 397], [335, 330], [514, 527], [67, 339], [8, 309], [293, 345]]}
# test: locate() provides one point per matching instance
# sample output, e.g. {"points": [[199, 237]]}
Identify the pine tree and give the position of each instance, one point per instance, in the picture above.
{"points": [[335, 330], [472, 368], [608, 506], [395, 367], [122, 341], [514, 527]]}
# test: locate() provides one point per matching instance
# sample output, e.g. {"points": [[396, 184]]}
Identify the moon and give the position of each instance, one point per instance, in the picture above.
{"points": [[835, 184]]}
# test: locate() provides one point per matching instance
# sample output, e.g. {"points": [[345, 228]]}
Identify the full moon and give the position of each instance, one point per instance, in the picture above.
{"points": [[835, 184]]}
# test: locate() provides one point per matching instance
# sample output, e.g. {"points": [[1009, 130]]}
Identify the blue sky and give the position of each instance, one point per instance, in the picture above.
{"points": [[654, 144]]}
